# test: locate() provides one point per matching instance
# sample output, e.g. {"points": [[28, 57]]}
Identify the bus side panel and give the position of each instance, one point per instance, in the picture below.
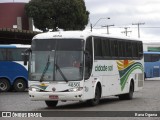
{"points": [[12, 70], [152, 69], [89, 88], [148, 69], [116, 75], [108, 72]]}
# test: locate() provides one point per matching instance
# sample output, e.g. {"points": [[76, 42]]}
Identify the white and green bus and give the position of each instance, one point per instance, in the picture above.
{"points": [[83, 66]]}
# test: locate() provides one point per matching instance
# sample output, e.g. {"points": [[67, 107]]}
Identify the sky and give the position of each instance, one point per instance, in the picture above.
{"points": [[123, 13]]}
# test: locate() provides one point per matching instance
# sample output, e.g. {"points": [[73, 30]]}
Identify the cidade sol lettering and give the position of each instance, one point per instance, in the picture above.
{"points": [[103, 68]]}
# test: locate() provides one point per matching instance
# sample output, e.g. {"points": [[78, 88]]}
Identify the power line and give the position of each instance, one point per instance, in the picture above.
{"points": [[92, 26], [130, 27]]}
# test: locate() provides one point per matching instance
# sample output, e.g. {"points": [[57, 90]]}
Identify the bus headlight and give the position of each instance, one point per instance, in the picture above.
{"points": [[34, 89], [75, 89]]}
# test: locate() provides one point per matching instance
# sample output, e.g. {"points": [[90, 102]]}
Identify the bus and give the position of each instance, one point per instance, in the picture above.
{"points": [[152, 65], [83, 66], [13, 74]]}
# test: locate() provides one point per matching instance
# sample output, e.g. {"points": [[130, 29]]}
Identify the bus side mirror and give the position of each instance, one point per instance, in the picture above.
{"points": [[25, 58], [87, 56], [25, 55]]}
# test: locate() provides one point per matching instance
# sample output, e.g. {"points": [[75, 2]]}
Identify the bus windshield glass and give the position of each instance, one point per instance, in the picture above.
{"points": [[56, 59]]}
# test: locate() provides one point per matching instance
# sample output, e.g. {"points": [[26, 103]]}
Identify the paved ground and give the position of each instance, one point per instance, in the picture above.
{"points": [[147, 99]]}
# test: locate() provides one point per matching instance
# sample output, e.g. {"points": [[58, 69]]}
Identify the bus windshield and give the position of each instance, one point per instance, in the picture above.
{"points": [[56, 59]]}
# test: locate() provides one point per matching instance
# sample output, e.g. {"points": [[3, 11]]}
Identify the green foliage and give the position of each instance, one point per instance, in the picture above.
{"points": [[65, 14]]}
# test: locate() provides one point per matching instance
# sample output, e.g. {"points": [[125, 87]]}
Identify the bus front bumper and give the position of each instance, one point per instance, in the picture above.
{"points": [[68, 96]]}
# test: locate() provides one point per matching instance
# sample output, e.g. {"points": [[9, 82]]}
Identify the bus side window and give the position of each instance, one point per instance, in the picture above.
{"points": [[10, 55], [114, 48], [106, 51], [2, 54], [147, 58], [121, 49], [15, 54], [154, 57], [140, 50], [98, 48], [88, 58]]}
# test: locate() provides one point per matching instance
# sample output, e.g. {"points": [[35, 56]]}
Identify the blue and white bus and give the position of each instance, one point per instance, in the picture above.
{"points": [[13, 74], [152, 65]]}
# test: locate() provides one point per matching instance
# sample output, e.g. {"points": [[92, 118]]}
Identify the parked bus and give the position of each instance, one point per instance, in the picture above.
{"points": [[82, 66], [152, 65], [13, 74]]}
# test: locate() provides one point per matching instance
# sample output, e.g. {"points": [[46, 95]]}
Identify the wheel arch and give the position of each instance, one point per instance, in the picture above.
{"points": [[100, 86], [132, 82]]}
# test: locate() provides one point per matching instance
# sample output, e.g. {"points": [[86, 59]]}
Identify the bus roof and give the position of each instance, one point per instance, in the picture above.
{"points": [[15, 46], [75, 34]]}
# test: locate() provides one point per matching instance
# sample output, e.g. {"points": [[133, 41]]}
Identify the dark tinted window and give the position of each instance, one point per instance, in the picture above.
{"points": [[12, 54], [60, 44], [3, 55], [128, 46], [140, 49], [151, 57], [98, 47], [155, 58], [112, 48], [88, 58], [147, 57], [135, 49], [121, 48], [106, 51]]}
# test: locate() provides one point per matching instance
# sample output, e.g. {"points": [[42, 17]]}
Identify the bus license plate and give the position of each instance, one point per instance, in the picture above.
{"points": [[53, 97]]}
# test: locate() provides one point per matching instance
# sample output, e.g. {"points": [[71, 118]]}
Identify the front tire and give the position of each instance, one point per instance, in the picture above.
{"points": [[20, 85], [51, 104], [96, 100], [4, 85]]}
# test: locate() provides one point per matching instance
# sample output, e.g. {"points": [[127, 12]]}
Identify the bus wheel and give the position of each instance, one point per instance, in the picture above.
{"points": [[129, 95], [96, 100], [51, 104], [20, 85], [4, 85]]}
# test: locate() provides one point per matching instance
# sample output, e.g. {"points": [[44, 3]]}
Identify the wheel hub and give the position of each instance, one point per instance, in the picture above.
{"points": [[3, 86], [20, 85]]}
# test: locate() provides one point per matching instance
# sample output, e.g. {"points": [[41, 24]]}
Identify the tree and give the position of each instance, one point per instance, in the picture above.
{"points": [[65, 14]]}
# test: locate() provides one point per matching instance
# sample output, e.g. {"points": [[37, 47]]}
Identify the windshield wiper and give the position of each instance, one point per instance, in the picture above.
{"points": [[45, 69], [60, 71]]}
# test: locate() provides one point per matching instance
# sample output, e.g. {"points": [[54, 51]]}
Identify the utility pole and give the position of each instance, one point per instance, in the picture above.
{"points": [[107, 26], [138, 24], [126, 32]]}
